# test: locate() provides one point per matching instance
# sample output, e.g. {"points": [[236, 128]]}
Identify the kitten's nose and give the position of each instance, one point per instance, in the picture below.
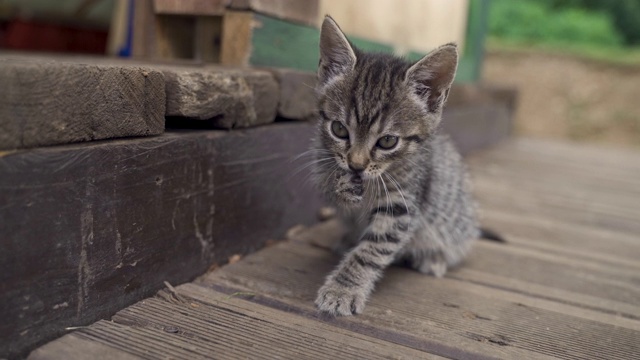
{"points": [[357, 161], [357, 168]]}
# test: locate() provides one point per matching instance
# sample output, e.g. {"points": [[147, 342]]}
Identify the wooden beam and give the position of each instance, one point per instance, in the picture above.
{"points": [[175, 36], [189, 7], [237, 36], [304, 12], [88, 229], [144, 30], [208, 39]]}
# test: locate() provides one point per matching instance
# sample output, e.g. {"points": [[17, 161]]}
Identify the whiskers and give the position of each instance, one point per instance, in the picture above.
{"points": [[399, 188], [310, 152], [371, 197], [386, 193], [320, 158]]}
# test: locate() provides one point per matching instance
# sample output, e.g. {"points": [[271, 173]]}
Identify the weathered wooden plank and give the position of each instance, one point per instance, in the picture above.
{"points": [[213, 324], [297, 93], [207, 38], [620, 158], [88, 229], [226, 98], [477, 116], [233, 98], [575, 199], [190, 7], [598, 190], [583, 197], [305, 12], [144, 32], [477, 126], [617, 312], [555, 271], [406, 302], [186, 37], [47, 102], [582, 241], [73, 347], [209, 324], [237, 36], [595, 178], [504, 273], [174, 36], [615, 163], [554, 208], [530, 298]]}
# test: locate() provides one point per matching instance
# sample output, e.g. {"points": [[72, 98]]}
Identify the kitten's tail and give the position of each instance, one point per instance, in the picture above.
{"points": [[491, 235]]}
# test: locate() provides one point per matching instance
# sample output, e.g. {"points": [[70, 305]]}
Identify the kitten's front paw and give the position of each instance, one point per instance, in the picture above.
{"points": [[336, 299]]}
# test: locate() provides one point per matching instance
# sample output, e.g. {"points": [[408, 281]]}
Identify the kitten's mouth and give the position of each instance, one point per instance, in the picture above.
{"points": [[358, 187], [350, 190]]}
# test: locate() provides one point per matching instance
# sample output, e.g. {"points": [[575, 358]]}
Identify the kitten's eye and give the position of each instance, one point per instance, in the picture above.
{"points": [[339, 130], [387, 142]]}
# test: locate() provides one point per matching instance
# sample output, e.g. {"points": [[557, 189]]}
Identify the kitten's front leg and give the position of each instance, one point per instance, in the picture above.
{"points": [[347, 288]]}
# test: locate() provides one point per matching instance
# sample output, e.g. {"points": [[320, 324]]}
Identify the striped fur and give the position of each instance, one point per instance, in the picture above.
{"points": [[410, 203]]}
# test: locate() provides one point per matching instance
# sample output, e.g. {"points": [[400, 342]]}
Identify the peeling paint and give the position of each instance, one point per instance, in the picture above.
{"points": [[86, 238], [174, 213], [203, 243], [60, 306]]}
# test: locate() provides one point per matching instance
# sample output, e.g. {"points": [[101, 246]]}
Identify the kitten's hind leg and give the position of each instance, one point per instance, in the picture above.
{"points": [[352, 237], [431, 263]]}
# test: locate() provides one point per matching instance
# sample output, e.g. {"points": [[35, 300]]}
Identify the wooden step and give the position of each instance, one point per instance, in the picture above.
{"points": [[540, 295], [88, 229], [53, 100]]}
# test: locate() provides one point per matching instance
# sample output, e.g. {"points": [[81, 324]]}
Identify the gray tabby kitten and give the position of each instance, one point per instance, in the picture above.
{"points": [[380, 160]]}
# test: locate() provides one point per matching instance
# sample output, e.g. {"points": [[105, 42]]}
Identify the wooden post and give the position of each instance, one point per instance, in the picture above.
{"points": [[237, 34]]}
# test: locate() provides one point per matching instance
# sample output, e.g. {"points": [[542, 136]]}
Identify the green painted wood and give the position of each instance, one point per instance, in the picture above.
{"points": [[471, 63], [279, 43]]}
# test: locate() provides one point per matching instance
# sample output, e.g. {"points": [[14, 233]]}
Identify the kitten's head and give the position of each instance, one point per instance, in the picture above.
{"points": [[376, 110]]}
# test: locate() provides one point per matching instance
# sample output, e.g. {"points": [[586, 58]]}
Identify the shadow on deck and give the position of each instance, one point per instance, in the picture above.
{"points": [[566, 285]]}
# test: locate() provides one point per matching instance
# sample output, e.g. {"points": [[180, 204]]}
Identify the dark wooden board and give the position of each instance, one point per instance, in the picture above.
{"points": [[88, 229]]}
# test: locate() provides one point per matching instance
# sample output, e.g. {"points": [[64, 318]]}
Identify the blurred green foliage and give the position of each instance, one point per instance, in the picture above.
{"points": [[595, 22], [625, 14], [552, 22]]}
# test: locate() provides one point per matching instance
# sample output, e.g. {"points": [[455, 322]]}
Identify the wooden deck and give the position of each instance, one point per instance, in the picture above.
{"points": [[566, 285]]}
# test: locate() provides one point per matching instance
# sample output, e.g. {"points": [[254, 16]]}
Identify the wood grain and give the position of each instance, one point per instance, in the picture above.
{"points": [[305, 12], [48, 102], [189, 7], [563, 286], [90, 229], [438, 309], [237, 35]]}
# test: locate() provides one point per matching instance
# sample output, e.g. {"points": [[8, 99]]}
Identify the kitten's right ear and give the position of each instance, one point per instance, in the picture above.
{"points": [[337, 57], [431, 77]]}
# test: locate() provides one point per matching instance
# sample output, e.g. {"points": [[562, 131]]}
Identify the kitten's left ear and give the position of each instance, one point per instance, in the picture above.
{"points": [[432, 76], [337, 57]]}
